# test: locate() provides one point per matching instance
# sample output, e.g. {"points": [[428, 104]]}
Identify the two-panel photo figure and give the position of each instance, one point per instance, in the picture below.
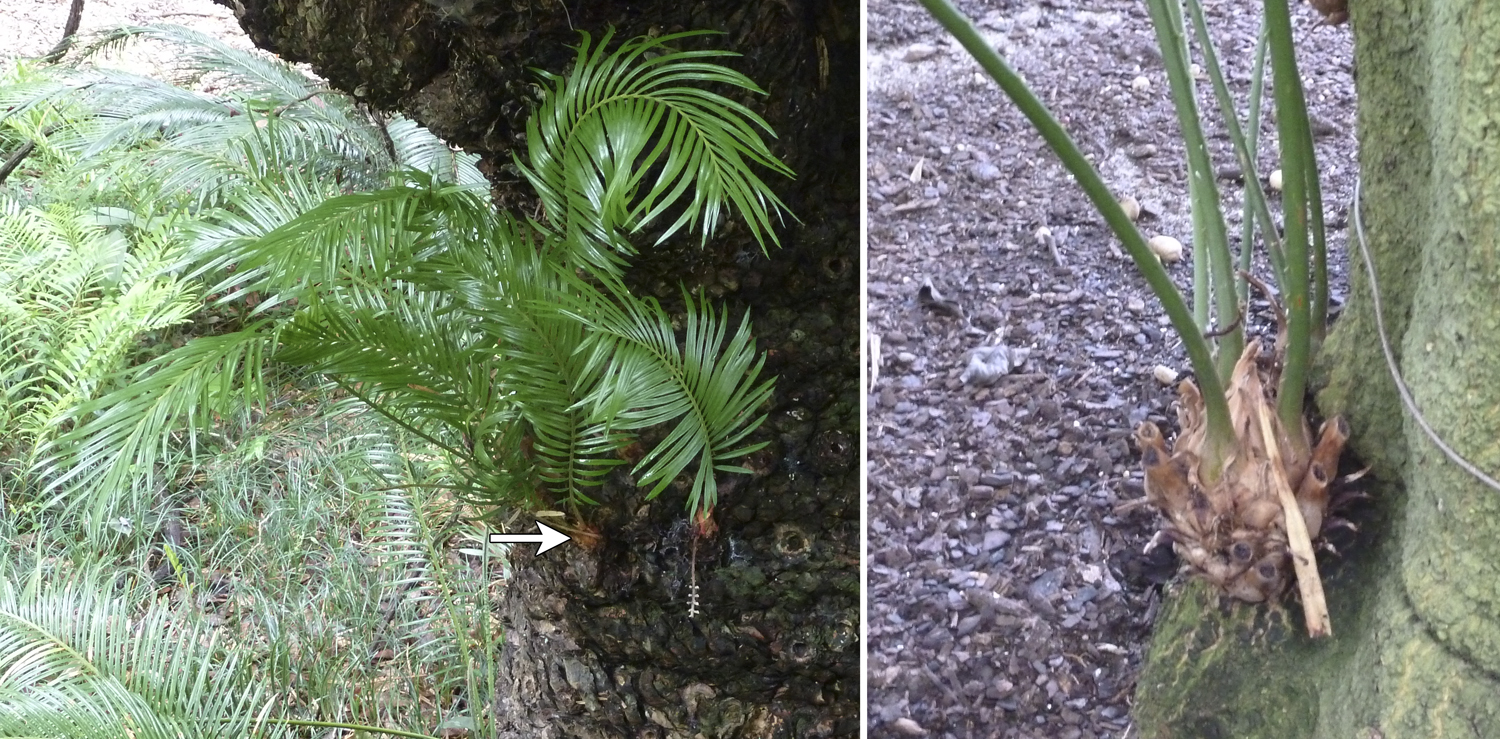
{"points": [[1005, 369]]}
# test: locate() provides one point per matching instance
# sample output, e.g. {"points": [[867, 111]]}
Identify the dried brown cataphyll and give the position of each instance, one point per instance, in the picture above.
{"points": [[1241, 531]]}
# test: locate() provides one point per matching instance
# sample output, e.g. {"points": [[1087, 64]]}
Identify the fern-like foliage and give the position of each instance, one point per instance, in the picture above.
{"points": [[509, 344], [90, 657], [206, 174], [440, 607], [264, 116], [483, 336], [707, 387], [512, 294], [126, 432], [74, 301]]}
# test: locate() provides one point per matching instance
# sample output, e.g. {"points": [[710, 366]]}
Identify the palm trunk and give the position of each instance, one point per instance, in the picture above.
{"points": [[599, 643], [598, 640]]}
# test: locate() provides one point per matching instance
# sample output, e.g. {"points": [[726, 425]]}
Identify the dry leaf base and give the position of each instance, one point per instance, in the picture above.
{"points": [[1241, 532]]}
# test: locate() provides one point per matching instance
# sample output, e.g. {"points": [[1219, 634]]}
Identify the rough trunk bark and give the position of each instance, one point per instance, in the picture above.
{"points": [[599, 643], [1416, 609]]}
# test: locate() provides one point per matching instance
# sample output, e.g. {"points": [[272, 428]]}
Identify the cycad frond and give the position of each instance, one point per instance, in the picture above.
{"points": [[131, 125], [266, 83], [199, 54], [223, 241], [122, 435], [510, 290], [388, 343], [576, 380], [627, 135], [424, 302], [363, 236], [547, 378], [422, 367], [270, 146], [418, 148], [711, 394], [441, 605], [128, 110], [410, 533], [78, 658]]}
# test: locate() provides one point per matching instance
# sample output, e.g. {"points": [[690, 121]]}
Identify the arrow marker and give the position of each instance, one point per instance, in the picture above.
{"points": [[549, 538]]}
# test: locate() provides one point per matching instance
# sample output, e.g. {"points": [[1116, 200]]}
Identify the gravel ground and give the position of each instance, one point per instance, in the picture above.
{"points": [[1008, 594], [33, 27]]}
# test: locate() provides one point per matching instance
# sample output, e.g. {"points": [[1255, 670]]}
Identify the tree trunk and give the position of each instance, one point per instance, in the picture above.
{"points": [[598, 640], [1416, 608]]}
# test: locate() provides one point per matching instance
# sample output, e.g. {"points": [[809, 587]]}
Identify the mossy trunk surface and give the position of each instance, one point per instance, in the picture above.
{"points": [[1416, 608], [598, 641]]}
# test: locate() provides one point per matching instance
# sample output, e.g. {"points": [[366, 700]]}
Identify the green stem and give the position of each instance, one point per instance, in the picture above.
{"points": [[1201, 278], [1257, 212], [1174, 52], [1247, 210], [1296, 144], [1213, 267], [1221, 434], [1269, 228]]}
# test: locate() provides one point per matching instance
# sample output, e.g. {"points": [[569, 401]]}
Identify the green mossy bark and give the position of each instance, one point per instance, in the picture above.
{"points": [[1416, 609]]}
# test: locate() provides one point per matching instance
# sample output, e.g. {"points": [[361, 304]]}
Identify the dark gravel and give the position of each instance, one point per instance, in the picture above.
{"points": [[1008, 596]]}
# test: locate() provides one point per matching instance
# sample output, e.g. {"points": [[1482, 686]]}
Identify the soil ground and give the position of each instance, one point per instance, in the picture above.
{"points": [[1008, 593]]}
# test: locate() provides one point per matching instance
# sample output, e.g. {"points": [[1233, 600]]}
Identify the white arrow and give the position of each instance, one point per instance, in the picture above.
{"points": [[549, 538]]}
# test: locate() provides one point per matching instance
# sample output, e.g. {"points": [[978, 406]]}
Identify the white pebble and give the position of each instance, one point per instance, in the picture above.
{"points": [[908, 727], [918, 52], [1166, 248]]}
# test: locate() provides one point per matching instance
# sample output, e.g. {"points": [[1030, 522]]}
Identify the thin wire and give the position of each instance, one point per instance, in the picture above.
{"points": [[1390, 357]]}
